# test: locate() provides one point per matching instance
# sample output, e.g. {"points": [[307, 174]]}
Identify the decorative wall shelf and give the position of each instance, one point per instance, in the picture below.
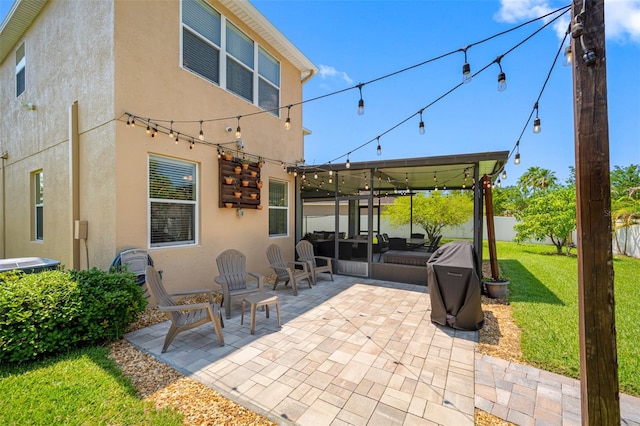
{"points": [[249, 190]]}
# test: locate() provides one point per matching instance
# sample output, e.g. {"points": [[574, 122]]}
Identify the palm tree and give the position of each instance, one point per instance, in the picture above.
{"points": [[536, 178]]}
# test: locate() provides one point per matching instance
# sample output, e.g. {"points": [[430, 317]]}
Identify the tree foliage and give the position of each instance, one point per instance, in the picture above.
{"points": [[433, 212], [625, 202], [549, 213], [536, 178]]}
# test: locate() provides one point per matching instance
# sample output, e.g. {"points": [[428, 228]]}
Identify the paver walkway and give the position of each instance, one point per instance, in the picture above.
{"points": [[365, 352]]}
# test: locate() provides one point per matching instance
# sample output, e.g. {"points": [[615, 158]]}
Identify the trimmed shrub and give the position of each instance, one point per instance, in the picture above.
{"points": [[51, 311]]}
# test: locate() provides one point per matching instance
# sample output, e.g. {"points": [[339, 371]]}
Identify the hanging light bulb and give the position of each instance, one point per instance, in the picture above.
{"points": [[361, 101], [330, 179], [466, 68], [379, 149], [238, 132], [366, 186], [330, 172], [504, 174], [304, 176], [128, 120], [287, 122], [201, 134], [154, 132], [568, 56], [421, 125], [502, 77], [315, 175], [348, 164], [517, 159], [133, 121], [148, 127], [295, 172], [171, 130], [192, 143], [536, 125], [498, 184], [178, 140]]}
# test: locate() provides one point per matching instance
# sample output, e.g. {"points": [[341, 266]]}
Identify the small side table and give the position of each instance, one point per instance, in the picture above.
{"points": [[260, 299]]}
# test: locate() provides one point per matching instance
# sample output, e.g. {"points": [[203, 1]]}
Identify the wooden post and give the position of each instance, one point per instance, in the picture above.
{"points": [[491, 230], [600, 400]]}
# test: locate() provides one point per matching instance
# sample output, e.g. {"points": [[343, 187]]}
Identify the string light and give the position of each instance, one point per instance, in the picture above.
{"points": [[502, 77], [516, 161], [201, 134], [361, 101], [171, 130], [133, 121], [421, 125], [348, 163], [287, 122], [498, 184], [154, 132], [315, 175], [504, 174], [192, 143], [238, 132], [178, 140], [128, 120], [466, 68], [148, 126], [536, 121], [379, 149], [568, 56]]}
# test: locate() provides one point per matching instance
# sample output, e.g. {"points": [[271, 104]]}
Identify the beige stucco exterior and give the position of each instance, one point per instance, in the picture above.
{"points": [[123, 57]]}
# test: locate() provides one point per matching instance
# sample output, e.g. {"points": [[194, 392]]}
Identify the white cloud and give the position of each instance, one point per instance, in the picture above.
{"points": [[327, 72], [622, 17]]}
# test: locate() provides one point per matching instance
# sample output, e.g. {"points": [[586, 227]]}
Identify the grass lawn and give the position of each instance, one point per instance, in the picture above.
{"points": [[544, 297], [83, 387]]}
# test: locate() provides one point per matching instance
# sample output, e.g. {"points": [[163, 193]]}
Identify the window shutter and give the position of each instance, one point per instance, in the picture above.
{"points": [[200, 57]]}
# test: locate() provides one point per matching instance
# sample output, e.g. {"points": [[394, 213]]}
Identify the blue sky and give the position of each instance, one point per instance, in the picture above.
{"points": [[355, 42]]}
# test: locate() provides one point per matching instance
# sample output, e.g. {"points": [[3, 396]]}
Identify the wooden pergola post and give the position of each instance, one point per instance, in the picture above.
{"points": [[600, 399]]}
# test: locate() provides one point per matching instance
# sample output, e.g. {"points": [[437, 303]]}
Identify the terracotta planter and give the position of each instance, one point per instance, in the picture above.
{"points": [[496, 289], [245, 166], [228, 157], [238, 194], [259, 207], [228, 205], [228, 181], [238, 170], [254, 173], [259, 184], [245, 183], [253, 196]]}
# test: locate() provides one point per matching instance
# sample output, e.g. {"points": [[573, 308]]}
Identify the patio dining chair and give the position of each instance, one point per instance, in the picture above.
{"points": [[305, 254], [287, 271], [234, 278], [183, 317]]}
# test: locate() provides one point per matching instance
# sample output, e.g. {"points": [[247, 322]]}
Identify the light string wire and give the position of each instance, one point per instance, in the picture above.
{"points": [[516, 147], [449, 91], [190, 139]]}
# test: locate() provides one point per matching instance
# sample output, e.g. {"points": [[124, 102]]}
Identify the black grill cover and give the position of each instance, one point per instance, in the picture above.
{"points": [[454, 287]]}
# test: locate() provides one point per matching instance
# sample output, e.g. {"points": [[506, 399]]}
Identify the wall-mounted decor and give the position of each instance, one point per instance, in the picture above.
{"points": [[239, 188]]}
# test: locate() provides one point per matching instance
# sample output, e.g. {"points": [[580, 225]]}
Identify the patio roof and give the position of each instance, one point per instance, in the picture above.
{"points": [[389, 177]]}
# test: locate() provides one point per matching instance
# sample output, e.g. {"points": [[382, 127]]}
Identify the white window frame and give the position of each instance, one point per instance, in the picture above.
{"points": [[37, 179], [286, 207], [195, 202], [222, 61], [21, 66]]}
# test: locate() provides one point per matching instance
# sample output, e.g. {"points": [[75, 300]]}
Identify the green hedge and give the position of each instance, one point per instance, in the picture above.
{"points": [[52, 311]]}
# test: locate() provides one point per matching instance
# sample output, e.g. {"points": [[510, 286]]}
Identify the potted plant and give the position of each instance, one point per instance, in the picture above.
{"points": [[260, 162], [228, 205], [259, 207], [496, 286], [245, 182], [253, 195], [253, 173], [229, 180], [259, 184], [228, 156], [237, 169], [245, 163]]}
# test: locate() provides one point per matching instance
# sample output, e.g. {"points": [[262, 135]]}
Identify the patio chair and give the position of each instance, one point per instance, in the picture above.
{"points": [[305, 254], [183, 317], [233, 277], [286, 271]]}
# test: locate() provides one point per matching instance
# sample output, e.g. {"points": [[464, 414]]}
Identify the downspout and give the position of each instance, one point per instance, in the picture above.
{"points": [[74, 181], [5, 157]]}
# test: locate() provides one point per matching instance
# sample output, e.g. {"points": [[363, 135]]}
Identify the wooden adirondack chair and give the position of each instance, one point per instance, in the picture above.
{"points": [[305, 253], [286, 271], [234, 278], [183, 317]]}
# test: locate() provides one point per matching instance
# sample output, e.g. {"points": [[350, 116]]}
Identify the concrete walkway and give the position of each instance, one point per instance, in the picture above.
{"points": [[363, 352]]}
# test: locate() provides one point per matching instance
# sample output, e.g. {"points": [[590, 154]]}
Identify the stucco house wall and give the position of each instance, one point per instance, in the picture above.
{"points": [[123, 57]]}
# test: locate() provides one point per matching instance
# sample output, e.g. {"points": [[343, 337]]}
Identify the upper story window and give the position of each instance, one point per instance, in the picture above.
{"points": [[244, 69], [21, 64], [172, 202], [38, 206]]}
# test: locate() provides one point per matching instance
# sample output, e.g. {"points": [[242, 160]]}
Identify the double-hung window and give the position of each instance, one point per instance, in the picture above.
{"points": [[172, 202], [201, 39], [244, 68], [278, 208], [21, 65], [38, 206]]}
